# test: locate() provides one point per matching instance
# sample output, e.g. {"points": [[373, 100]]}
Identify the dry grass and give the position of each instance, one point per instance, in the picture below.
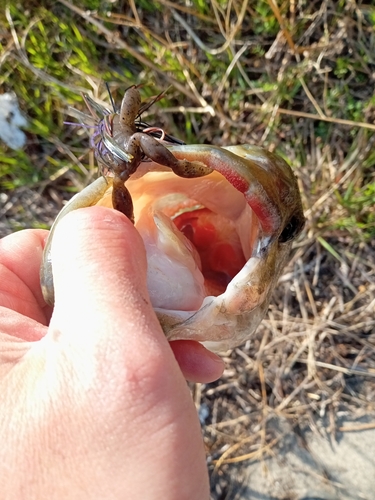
{"points": [[298, 78]]}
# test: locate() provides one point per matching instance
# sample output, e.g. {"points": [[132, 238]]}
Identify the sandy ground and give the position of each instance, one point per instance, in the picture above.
{"points": [[313, 466]]}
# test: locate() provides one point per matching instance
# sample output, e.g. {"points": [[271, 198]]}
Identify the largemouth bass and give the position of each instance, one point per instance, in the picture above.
{"points": [[217, 224]]}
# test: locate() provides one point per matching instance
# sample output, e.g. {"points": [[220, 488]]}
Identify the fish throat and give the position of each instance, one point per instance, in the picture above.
{"points": [[198, 233], [217, 243]]}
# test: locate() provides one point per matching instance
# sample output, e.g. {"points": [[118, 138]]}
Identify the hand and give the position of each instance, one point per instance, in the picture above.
{"points": [[94, 405]]}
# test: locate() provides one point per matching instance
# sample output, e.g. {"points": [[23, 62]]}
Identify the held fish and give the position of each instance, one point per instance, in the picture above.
{"points": [[217, 224]]}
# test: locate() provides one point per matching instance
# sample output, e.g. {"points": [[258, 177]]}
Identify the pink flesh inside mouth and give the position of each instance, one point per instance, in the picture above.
{"points": [[218, 245], [198, 233]]}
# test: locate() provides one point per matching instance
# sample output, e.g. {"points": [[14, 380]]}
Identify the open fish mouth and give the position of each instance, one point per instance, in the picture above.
{"points": [[218, 243], [215, 244]]}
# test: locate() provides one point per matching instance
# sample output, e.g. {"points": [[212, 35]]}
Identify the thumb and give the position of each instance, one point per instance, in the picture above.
{"points": [[99, 271]]}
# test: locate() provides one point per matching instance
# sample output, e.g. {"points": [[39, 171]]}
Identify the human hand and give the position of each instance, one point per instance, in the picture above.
{"points": [[94, 405]]}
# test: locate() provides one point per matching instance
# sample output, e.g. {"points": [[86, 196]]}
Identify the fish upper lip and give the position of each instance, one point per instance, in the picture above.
{"points": [[265, 180]]}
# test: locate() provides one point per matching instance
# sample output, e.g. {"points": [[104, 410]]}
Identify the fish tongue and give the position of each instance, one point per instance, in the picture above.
{"points": [[174, 279]]}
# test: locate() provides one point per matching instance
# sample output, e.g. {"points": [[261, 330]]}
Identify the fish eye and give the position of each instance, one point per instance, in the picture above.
{"points": [[291, 229]]}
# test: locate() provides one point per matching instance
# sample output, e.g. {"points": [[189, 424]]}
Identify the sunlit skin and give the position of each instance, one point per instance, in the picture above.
{"points": [[93, 402]]}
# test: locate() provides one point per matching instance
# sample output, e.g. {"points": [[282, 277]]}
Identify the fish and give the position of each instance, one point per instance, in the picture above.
{"points": [[218, 224]]}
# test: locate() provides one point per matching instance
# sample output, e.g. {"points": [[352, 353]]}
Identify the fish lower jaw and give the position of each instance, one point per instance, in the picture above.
{"points": [[226, 320], [211, 324]]}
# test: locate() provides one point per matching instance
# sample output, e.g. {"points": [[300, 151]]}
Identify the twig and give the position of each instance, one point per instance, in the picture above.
{"points": [[288, 37], [341, 369], [357, 427], [255, 455], [300, 114]]}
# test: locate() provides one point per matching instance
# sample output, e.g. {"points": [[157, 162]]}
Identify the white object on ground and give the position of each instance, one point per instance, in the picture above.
{"points": [[11, 120]]}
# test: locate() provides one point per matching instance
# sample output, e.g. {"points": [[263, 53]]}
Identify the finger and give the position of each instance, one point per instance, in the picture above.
{"points": [[20, 257], [197, 363], [101, 297], [18, 326]]}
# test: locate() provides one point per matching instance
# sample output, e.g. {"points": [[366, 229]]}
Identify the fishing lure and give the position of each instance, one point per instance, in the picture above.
{"points": [[121, 142]]}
